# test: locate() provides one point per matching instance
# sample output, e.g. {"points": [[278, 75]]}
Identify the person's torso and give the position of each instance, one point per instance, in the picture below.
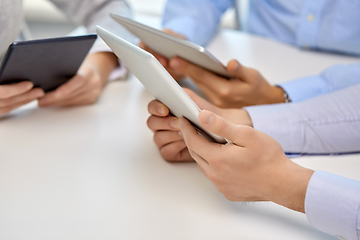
{"points": [[329, 25], [11, 19]]}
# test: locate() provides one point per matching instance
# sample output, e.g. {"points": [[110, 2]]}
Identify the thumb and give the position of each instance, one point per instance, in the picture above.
{"points": [[237, 134], [236, 69], [199, 101]]}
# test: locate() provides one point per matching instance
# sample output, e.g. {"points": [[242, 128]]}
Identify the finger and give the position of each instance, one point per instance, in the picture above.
{"points": [[22, 100], [196, 73], [80, 94], [162, 138], [174, 33], [175, 151], [11, 90], [63, 92], [236, 69], [163, 60], [85, 98], [163, 123], [194, 141], [213, 86], [25, 97], [158, 109], [203, 164], [237, 134], [12, 107]]}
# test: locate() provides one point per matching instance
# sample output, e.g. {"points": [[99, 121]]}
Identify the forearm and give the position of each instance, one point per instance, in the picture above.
{"points": [[290, 186], [332, 79], [324, 125], [331, 202]]}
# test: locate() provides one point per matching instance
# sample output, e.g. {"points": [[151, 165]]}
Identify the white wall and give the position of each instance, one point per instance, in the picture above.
{"points": [[45, 20], [43, 10]]}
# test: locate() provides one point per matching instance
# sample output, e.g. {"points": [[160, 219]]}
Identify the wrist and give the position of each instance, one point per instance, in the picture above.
{"points": [[104, 63], [277, 95], [291, 185], [237, 116]]}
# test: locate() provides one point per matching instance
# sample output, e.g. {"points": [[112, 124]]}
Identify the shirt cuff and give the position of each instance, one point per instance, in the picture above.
{"points": [[304, 88], [280, 121], [332, 205], [120, 72]]}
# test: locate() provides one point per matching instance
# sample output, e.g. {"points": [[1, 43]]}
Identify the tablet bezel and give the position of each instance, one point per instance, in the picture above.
{"points": [[194, 53], [27, 51]]}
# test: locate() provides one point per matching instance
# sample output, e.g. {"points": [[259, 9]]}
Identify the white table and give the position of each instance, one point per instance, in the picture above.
{"points": [[94, 173]]}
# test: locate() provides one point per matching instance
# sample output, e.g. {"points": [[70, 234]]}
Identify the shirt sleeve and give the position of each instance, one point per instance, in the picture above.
{"points": [[332, 79], [332, 205], [90, 13], [327, 124], [196, 20]]}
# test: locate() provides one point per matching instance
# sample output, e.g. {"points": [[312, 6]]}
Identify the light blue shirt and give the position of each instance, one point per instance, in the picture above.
{"points": [[325, 114], [332, 205], [323, 25], [328, 25], [326, 124]]}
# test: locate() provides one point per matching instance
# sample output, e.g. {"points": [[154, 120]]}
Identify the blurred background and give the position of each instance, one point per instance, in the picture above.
{"points": [[45, 20]]}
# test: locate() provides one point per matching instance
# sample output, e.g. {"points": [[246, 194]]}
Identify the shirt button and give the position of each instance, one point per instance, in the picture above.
{"points": [[310, 17], [341, 238]]}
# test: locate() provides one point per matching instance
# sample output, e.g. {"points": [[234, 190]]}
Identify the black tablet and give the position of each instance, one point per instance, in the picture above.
{"points": [[47, 63]]}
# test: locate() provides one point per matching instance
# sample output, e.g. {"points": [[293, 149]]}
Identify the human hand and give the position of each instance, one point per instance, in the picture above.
{"points": [[15, 95], [86, 86], [163, 60], [248, 87], [252, 168], [167, 136]]}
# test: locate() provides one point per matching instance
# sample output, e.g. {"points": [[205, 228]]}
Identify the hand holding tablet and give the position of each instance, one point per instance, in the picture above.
{"points": [[156, 80]]}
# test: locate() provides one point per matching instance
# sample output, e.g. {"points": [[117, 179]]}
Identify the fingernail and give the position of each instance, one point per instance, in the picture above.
{"points": [[174, 123], [174, 63], [180, 133], [28, 85], [39, 93], [236, 65], [206, 117], [161, 110]]}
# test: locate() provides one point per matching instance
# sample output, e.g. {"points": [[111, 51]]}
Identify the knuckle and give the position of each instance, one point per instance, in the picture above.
{"points": [[158, 139], [221, 126], [224, 91], [167, 154], [150, 122]]}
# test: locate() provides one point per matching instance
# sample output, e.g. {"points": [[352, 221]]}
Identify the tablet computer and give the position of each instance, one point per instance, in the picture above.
{"points": [[156, 80], [48, 63], [170, 46]]}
